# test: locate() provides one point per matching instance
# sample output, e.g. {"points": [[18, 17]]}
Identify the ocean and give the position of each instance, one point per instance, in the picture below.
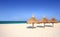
{"points": [[12, 22]]}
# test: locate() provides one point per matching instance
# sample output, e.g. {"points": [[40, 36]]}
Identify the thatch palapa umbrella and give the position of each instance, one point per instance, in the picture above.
{"points": [[44, 20], [53, 20], [32, 21]]}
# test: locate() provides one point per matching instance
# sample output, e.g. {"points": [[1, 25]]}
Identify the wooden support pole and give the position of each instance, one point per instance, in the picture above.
{"points": [[32, 25], [52, 24], [44, 25]]}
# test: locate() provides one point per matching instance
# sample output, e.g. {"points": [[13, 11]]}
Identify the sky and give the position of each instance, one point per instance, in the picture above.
{"points": [[22, 10]]}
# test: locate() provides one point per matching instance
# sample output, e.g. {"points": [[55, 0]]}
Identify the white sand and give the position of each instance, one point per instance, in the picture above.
{"points": [[17, 30]]}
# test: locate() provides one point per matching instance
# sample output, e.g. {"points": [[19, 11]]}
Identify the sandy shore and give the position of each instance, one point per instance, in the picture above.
{"points": [[21, 30]]}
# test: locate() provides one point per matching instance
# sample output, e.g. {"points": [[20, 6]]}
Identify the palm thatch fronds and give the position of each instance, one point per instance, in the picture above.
{"points": [[32, 20], [53, 20], [44, 20]]}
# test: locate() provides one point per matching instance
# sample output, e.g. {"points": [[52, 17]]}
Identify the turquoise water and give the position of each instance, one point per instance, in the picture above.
{"points": [[12, 22]]}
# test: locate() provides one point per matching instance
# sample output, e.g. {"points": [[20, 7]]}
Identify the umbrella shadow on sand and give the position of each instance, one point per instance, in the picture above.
{"points": [[48, 25], [40, 26], [30, 27], [45, 26]]}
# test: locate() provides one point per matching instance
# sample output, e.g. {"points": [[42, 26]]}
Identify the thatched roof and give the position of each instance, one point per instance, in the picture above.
{"points": [[44, 20], [32, 20], [53, 20]]}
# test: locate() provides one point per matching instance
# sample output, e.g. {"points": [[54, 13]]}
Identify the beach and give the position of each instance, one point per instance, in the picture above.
{"points": [[21, 30]]}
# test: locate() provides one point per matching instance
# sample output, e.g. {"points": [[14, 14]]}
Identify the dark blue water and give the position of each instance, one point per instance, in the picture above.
{"points": [[11, 22]]}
